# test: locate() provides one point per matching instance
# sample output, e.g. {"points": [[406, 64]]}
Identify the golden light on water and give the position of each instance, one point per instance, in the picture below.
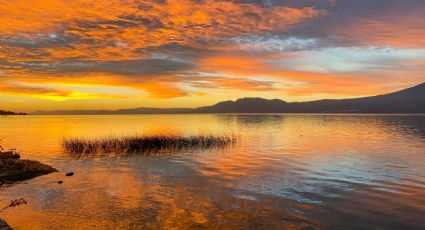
{"points": [[280, 163], [285, 171]]}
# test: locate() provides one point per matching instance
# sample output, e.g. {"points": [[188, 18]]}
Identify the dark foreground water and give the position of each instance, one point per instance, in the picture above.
{"points": [[286, 172]]}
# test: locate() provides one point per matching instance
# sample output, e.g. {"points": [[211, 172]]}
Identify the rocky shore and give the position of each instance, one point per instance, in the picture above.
{"points": [[13, 169], [4, 225]]}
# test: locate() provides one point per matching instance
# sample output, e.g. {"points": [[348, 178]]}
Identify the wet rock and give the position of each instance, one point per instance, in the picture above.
{"points": [[13, 169], [9, 155], [70, 174], [4, 225]]}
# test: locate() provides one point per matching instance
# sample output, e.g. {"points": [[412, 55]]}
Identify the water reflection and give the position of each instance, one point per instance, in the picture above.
{"points": [[252, 120], [287, 171]]}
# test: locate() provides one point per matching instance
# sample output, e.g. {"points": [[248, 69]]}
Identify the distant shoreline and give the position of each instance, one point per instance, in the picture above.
{"points": [[407, 101], [300, 114], [10, 113]]}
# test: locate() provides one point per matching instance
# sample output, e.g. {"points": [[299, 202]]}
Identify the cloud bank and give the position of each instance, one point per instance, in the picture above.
{"points": [[71, 54]]}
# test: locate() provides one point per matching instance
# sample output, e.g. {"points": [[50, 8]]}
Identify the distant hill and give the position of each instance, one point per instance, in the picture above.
{"points": [[411, 100], [2, 112]]}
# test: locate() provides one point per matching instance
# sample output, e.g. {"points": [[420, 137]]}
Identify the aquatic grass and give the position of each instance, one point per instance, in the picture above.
{"points": [[143, 144]]}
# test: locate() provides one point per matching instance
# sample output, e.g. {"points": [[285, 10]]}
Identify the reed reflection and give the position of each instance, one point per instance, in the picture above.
{"points": [[285, 171]]}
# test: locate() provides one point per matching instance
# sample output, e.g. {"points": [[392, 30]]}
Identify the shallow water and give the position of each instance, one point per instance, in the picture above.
{"points": [[285, 172]]}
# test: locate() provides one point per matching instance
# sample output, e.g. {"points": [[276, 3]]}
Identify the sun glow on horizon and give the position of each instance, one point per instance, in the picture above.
{"points": [[185, 53]]}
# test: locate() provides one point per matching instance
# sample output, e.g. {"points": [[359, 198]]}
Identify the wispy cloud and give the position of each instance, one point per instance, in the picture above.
{"points": [[183, 50]]}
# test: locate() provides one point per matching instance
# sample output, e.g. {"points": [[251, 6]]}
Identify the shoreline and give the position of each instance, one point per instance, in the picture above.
{"points": [[13, 169], [4, 225]]}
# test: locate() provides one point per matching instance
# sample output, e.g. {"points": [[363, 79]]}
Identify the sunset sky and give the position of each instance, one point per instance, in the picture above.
{"points": [[110, 54]]}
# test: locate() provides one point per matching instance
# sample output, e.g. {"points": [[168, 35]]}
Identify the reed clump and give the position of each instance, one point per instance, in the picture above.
{"points": [[141, 144]]}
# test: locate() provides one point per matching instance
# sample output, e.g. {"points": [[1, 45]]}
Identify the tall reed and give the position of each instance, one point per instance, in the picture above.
{"points": [[159, 143]]}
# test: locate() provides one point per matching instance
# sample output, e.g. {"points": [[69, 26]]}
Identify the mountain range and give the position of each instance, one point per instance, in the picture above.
{"points": [[411, 100]]}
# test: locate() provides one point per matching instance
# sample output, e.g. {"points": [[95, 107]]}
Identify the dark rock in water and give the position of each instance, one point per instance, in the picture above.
{"points": [[13, 169], [9, 155], [70, 174], [4, 225]]}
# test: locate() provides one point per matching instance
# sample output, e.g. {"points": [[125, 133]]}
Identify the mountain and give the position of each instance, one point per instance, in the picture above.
{"points": [[246, 105], [2, 113], [411, 100]]}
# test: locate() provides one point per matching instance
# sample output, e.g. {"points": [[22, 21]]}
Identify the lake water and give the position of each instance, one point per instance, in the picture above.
{"points": [[285, 172]]}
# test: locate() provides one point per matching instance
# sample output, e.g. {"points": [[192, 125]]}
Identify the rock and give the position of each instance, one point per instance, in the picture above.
{"points": [[70, 174], [9, 155], [13, 169], [60, 182], [4, 225]]}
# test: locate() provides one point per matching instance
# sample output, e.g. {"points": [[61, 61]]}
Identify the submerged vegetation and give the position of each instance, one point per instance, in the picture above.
{"points": [[140, 144]]}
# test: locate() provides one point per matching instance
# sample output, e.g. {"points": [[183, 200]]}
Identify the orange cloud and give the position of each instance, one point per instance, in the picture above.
{"points": [[401, 32], [229, 83], [116, 30], [183, 49], [302, 83], [49, 92]]}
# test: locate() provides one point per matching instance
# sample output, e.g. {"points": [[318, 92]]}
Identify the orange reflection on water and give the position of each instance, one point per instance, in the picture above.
{"points": [[285, 172]]}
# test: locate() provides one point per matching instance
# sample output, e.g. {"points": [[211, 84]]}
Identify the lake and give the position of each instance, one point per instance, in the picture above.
{"points": [[285, 172]]}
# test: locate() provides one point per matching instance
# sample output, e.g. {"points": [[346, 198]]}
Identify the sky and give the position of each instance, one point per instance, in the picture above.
{"points": [[111, 54]]}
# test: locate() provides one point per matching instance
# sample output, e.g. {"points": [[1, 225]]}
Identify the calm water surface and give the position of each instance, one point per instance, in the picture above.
{"points": [[286, 172]]}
